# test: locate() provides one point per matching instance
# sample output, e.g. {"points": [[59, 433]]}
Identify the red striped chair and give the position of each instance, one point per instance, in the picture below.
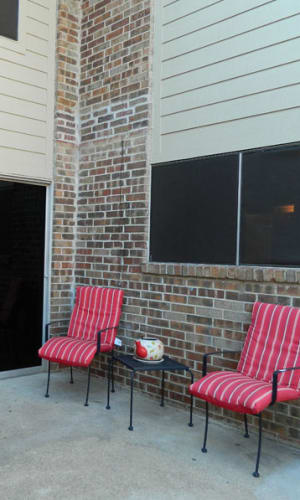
{"points": [[268, 370], [92, 329]]}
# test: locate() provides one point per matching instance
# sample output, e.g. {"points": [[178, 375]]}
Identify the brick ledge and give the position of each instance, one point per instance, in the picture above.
{"points": [[240, 273]]}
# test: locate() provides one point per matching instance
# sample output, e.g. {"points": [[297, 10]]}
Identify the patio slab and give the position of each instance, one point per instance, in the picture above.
{"points": [[57, 448]]}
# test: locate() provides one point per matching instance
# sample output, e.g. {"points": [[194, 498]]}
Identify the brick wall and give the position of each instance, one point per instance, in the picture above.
{"points": [[113, 172], [195, 309], [66, 156], [102, 208]]}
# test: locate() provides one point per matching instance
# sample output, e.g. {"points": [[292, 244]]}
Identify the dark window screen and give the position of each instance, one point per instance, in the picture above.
{"points": [[194, 211], [270, 220], [9, 10]]}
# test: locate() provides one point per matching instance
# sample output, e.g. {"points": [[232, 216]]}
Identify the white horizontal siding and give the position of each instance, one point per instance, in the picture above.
{"points": [[243, 107], [221, 65], [177, 10], [26, 94], [39, 29], [21, 124], [42, 47], [22, 141], [22, 91], [41, 3], [210, 14], [23, 162], [23, 74], [232, 89], [23, 108], [34, 61], [230, 29], [271, 35], [254, 132], [38, 13], [252, 63]]}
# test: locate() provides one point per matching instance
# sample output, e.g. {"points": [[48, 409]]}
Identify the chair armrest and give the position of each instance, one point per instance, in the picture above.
{"points": [[205, 356], [99, 336], [275, 379], [51, 323]]}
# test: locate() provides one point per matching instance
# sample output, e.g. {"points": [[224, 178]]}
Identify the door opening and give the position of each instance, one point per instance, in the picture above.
{"points": [[22, 223]]}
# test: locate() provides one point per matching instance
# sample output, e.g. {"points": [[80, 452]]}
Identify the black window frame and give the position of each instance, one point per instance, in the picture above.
{"points": [[290, 260]]}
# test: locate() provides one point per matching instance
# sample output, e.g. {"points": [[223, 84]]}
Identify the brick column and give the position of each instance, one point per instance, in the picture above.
{"points": [[66, 156]]}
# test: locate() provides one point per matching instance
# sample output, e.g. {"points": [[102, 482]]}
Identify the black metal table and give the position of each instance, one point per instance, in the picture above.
{"points": [[168, 364]]}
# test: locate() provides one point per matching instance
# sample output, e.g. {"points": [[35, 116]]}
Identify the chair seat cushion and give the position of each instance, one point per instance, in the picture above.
{"points": [[71, 352], [238, 392]]}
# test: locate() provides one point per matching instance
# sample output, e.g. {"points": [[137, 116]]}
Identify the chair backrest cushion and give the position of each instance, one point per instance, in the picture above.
{"points": [[272, 343], [95, 308]]}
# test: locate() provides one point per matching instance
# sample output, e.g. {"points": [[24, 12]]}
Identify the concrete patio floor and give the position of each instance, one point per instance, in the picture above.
{"points": [[58, 449]]}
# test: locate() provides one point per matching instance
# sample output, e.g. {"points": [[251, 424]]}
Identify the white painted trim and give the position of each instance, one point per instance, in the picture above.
{"points": [[51, 86], [40, 181], [149, 148], [46, 279], [238, 224], [47, 258], [156, 149]]}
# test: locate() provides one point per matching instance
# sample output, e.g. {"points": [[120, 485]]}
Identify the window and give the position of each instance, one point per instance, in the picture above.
{"points": [[228, 209], [9, 13], [270, 212], [190, 201]]}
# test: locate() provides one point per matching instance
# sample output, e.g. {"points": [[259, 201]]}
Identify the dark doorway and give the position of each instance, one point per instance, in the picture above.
{"points": [[22, 222]]}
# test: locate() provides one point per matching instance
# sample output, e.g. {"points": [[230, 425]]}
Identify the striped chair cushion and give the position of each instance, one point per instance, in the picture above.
{"points": [[95, 309], [71, 352], [272, 343], [238, 392], [68, 351]]}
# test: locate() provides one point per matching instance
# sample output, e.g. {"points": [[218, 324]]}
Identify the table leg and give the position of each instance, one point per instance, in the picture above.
{"points": [[162, 403], [108, 384], [191, 406], [130, 428]]}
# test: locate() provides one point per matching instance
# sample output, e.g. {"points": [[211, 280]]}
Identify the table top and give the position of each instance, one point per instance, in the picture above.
{"points": [[167, 364]]}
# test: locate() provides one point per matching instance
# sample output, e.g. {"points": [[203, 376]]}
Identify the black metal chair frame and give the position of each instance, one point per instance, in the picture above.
{"points": [[259, 415], [89, 368]]}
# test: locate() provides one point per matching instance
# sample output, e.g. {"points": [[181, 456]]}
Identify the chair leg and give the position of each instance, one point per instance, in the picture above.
{"points": [[256, 473], [204, 449], [246, 435], [108, 384], [190, 424], [88, 388], [71, 376], [112, 372], [48, 380]]}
